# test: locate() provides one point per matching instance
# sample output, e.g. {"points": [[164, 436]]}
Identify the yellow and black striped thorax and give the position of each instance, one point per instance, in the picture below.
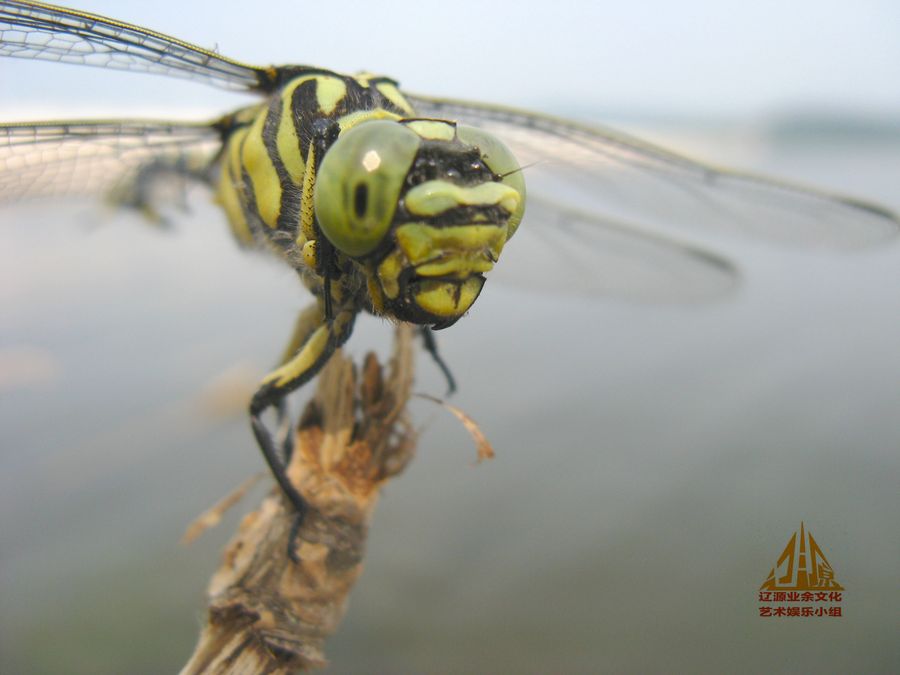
{"points": [[269, 147]]}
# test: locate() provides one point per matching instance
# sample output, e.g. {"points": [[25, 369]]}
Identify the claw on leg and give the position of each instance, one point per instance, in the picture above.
{"points": [[312, 344]]}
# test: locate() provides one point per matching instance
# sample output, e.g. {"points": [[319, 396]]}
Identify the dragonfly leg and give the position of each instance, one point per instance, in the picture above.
{"points": [[308, 320], [314, 341], [283, 437], [179, 172], [432, 349]]}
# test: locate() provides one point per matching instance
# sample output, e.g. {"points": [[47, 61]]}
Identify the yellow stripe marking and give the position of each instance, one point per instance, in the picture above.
{"points": [[392, 94], [303, 361], [352, 119], [329, 92], [457, 266], [389, 273], [308, 250], [286, 139], [263, 176], [432, 130], [231, 189], [447, 299], [306, 231], [437, 196]]}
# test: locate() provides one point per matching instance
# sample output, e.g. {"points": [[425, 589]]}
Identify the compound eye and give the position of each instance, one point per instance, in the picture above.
{"points": [[359, 181], [498, 158]]}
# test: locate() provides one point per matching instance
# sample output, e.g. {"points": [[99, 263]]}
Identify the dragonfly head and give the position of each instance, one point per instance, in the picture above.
{"points": [[424, 207]]}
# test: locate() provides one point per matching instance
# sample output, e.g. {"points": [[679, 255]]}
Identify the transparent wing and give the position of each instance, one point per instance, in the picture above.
{"points": [[34, 30], [123, 160], [620, 178], [572, 251]]}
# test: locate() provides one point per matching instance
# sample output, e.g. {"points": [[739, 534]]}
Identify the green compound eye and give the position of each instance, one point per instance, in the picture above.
{"points": [[501, 161], [359, 181]]}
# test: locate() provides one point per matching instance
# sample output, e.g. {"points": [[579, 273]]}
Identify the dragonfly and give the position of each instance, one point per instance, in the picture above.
{"points": [[399, 204]]}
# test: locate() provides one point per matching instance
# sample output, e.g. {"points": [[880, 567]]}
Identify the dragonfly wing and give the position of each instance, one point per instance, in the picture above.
{"points": [[623, 178], [562, 249], [128, 162], [37, 31]]}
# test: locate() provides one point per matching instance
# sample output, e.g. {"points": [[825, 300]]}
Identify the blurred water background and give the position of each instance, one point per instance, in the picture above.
{"points": [[652, 460]]}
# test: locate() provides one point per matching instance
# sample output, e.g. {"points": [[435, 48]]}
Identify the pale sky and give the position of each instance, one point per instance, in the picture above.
{"points": [[692, 57]]}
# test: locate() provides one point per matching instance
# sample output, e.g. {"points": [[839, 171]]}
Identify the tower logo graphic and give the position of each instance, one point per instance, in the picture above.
{"points": [[802, 567], [802, 583]]}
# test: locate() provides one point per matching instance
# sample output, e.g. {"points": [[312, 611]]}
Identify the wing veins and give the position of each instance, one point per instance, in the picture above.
{"points": [[84, 38], [779, 210]]}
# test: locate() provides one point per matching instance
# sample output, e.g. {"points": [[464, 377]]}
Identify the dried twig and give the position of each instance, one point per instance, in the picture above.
{"points": [[482, 444], [268, 614]]}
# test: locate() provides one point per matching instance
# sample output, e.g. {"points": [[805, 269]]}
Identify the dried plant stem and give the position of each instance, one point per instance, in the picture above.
{"points": [[268, 614]]}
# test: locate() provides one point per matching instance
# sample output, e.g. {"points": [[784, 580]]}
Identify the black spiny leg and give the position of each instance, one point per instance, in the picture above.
{"points": [[432, 349], [313, 351]]}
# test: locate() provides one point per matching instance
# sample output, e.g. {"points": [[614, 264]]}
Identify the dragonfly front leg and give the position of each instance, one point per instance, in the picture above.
{"points": [[314, 341], [309, 319]]}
